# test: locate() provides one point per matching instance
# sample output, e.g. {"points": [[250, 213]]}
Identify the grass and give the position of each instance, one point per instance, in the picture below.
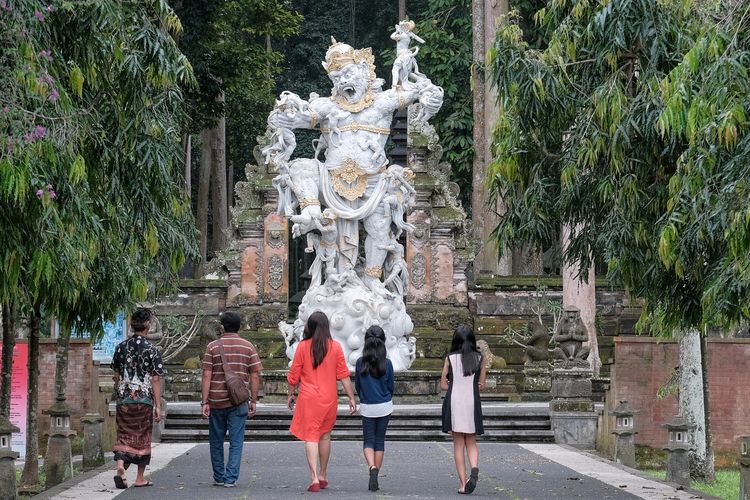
{"points": [[727, 485]]}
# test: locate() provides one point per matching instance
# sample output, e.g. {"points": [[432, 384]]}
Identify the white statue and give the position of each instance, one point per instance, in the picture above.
{"points": [[350, 187], [405, 64]]}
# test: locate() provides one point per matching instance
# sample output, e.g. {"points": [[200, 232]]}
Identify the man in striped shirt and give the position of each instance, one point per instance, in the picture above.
{"points": [[242, 358]]}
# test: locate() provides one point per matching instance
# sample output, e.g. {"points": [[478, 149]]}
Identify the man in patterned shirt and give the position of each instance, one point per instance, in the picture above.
{"points": [[138, 368], [242, 358]]}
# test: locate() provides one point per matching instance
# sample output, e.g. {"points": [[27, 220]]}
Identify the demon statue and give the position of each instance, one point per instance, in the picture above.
{"points": [[347, 187]]}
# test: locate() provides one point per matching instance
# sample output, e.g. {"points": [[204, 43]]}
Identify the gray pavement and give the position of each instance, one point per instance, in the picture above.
{"points": [[277, 470]]}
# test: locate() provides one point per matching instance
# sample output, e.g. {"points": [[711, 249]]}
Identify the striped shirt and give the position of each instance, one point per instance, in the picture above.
{"points": [[242, 358]]}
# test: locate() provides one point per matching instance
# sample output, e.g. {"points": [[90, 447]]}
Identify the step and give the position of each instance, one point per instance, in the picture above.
{"points": [[503, 422], [393, 424], [500, 435]]}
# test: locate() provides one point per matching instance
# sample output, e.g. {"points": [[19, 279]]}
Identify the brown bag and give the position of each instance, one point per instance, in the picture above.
{"points": [[236, 387]]}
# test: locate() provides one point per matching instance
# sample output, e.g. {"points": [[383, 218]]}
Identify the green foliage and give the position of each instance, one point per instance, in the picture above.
{"points": [[705, 238], [445, 58], [93, 216], [226, 43], [577, 144], [726, 486]]}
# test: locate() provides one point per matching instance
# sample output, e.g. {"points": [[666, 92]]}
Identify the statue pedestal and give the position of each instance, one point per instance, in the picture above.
{"points": [[537, 381], [352, 307], [571, 410]]}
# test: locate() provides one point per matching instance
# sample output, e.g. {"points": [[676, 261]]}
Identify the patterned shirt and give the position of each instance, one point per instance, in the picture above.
{"points": [[242, 358], [136, 361]]}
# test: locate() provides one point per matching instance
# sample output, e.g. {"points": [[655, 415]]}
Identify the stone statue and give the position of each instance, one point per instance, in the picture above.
{"points": [[349, 185], [537, 346], [491, 361], [570, 335], [405, 64]]}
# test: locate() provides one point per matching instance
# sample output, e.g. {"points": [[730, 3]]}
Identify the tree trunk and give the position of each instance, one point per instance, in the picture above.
{"points": [[693, 405], [230, 189], [401, 10], [582, 294], [201, 216], [61, 362], [484, 217], [30, 475], [219, 185], [187, 142], [9, 343]]}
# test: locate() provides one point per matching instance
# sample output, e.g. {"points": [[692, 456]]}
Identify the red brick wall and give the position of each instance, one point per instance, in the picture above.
{"points": [[80, 372], [643, 365]]}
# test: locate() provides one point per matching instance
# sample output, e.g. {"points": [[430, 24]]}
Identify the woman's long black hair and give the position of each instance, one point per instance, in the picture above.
{"points": [[373, 354], [465, 342], [318, 330]]}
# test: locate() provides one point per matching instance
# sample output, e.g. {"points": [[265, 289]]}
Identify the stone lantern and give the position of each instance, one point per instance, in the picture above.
{"points": [[677, 447], [745, 468], [624, 430], [7, 460], [58, 462]]}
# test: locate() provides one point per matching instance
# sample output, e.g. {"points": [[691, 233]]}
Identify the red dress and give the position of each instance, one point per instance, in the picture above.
{"points": [[315, 412]]}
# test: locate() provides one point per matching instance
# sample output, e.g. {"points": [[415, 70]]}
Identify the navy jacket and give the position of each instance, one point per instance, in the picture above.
{"points": [[373, 390]]}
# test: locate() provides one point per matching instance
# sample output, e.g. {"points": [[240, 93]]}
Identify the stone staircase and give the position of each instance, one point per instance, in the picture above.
{"points": [[503, 422]]}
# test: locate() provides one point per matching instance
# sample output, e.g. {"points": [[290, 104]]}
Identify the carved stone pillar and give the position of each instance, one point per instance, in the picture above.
{"points": [[276, 258]]}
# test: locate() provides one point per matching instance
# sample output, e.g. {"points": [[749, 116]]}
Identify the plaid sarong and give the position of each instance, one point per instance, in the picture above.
{"points": [[134, 424]]}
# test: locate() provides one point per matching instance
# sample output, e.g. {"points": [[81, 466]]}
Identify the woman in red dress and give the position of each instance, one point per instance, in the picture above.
{"points": [[318, 363]]}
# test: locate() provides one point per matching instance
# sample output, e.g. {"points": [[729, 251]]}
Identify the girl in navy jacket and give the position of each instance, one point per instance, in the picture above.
{"points": [[374, 383]]}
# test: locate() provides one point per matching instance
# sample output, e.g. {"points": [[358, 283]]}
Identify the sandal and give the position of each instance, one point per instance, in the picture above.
{"points": [[147, 483], [471, 484], [323, 484], [120, 482], [314, 487]]}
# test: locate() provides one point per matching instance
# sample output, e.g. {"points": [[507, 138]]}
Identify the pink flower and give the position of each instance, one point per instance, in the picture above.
{"points": [[47, 54], [6, 109], [39, 193], [49, 8], [38, 133], [52, 194], [39, 16], [53, 95]]}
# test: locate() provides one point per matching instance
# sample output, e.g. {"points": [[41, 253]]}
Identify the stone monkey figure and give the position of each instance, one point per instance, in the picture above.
{"points": [[537, 347], [570, 335], [405, 64]]}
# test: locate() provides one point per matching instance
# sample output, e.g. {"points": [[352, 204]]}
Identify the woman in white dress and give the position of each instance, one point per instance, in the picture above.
{"points": [[463, 377]]}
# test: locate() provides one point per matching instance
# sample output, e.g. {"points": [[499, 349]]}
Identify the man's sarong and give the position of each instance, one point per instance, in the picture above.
{"points": [[134, 424]]}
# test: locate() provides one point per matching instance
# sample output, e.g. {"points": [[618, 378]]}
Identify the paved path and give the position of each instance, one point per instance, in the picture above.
{"points": [[413, 470]]}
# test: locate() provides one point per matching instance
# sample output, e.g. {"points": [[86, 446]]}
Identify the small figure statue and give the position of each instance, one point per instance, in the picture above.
{"points": [[396, 271], [570, 335], [333, 125], [397, 197], [325, 247], [292, 335], [537, 347], [405, 64]]}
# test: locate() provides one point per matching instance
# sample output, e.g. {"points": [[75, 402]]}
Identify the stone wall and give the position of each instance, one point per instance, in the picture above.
{"points": [[82, 380], [499, 302], [644, 365]]}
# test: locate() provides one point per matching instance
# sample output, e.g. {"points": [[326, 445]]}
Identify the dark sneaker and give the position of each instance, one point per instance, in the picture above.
{"points": [[373, 485]]}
